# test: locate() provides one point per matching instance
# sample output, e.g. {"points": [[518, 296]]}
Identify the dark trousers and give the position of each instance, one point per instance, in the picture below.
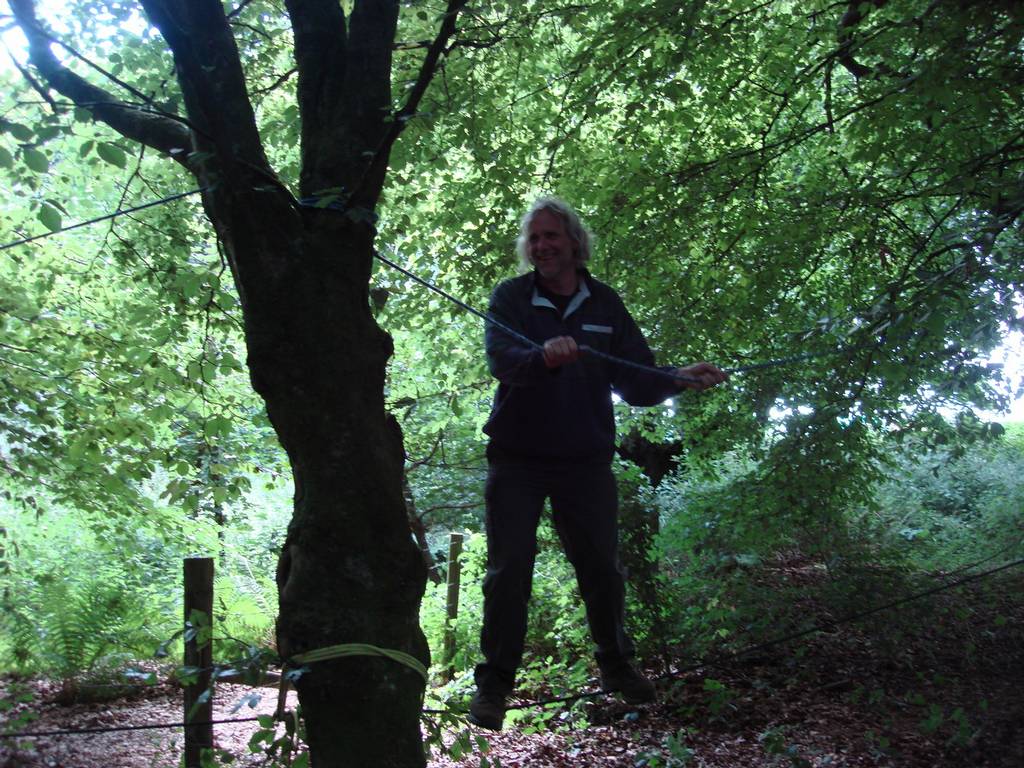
{"points": [[584, 504]]}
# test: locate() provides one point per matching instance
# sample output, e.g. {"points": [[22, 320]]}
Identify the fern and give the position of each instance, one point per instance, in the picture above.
{"points": [[67, 621]]}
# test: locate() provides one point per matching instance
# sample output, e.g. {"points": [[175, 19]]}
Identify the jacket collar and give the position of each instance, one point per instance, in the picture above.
{"points": [[581, 295]]}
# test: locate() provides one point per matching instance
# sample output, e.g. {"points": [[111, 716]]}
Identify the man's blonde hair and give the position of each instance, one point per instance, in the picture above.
{"points": [[574, 228]]}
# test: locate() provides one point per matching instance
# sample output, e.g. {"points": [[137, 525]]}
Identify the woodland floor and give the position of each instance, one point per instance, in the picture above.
{"points": [[946, 694]]}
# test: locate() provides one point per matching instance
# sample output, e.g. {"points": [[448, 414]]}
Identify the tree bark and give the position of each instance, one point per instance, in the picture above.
{"points": [[349, 571], [419, 531]]}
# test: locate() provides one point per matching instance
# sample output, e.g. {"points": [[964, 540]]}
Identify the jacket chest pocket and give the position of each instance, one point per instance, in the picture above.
{"points": [[597, 331]]}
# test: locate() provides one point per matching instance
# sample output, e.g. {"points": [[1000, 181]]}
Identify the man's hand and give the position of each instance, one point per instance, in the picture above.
{"points": [[700, 376], [560, 350]]}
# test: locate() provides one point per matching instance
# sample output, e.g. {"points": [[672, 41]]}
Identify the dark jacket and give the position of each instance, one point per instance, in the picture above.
{"points": [[564, 413]]}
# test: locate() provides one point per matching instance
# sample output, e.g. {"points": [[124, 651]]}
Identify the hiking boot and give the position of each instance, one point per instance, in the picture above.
{"points": [[625, 679], [487, 709]]}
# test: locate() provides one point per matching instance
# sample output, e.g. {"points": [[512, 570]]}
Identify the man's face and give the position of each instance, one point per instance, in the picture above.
{"points": [[550, 249]]}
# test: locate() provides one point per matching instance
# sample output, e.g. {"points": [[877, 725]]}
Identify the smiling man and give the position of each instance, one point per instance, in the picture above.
{"points": [[552, 436]]}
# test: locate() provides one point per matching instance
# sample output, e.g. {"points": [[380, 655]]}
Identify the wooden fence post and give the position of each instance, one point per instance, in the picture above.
{"points": [[198, 614], [451, 603]]}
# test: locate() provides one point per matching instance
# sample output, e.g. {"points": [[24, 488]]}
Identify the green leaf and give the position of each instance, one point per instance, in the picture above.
{"points": [[79, 446], [19, 131], [50, 217], [258, 738], [35, 160], [6, 160], [112, 154]]}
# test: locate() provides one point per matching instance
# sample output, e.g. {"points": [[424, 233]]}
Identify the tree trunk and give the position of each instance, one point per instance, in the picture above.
{"points": [[640, 525], [419, 531], [349, 571]]}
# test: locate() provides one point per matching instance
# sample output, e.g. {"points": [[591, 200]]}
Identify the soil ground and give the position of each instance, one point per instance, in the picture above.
{"points": [[945, 695]]}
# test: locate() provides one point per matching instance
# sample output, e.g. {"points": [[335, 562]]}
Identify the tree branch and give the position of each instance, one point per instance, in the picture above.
{"points": [[241, 7], [36, 86], [254, 29], [281, 80], [93, 65], [789, 141], [844, 55], [143, 108], [156, 131], [439, 507], [374, 172], [211, 78], [427, 70], [321, 42]]}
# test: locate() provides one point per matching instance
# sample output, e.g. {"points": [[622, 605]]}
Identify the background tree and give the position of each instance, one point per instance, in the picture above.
{"points": [[757, 195]]}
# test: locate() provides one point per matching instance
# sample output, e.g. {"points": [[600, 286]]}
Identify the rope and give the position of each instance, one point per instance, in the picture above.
{"points": [[117, 728], [722, 658], [333, 652], [320, 654], [317, 203], [363, 649], [339, 651], [857, 616], [313, 202], [360, 649], [458, 302], [796, 359], [586, 349], [488, 318], [114, 215], [986, 559]]}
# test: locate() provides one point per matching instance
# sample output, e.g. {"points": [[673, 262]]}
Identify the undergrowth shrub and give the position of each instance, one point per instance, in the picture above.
{"points": [[746, 544], [83, 598], [947, 507], [80, 597], [466, 626], [829, 525], [245, 606], [709, 542], [78, 618], [557, 632], [557, 635]]}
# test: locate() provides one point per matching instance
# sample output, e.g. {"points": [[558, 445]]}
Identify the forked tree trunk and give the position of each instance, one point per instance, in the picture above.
{"points": [[349, 571]]}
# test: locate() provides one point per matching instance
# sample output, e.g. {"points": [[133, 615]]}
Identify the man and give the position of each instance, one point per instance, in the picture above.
{"points": [[552, 436]]}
